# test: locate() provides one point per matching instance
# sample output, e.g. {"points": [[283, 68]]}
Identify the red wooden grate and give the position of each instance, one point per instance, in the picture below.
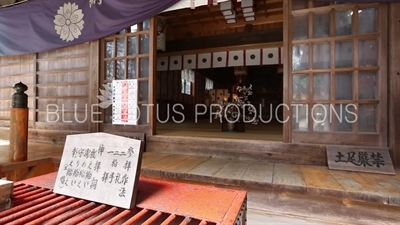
{"points": [[39, 205]]}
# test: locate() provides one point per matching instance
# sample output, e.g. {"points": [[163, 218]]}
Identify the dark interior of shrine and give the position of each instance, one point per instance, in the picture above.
{"points": [[267, 94]]}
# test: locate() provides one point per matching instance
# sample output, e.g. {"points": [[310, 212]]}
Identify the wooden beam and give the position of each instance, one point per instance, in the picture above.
{"points": [[394, 82], [278, 18], [221, 49], [242, 38]]}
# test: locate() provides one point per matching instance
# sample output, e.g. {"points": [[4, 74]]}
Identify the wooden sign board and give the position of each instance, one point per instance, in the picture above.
{"points": [[360, 159], [100, 167]]}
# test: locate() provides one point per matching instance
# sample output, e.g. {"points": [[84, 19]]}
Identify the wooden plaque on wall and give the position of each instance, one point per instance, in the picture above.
{"points": [[360, 159]]}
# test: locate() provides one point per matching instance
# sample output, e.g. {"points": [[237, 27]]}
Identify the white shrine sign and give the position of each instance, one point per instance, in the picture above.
{"points": [[100, 167], [124, 102]]}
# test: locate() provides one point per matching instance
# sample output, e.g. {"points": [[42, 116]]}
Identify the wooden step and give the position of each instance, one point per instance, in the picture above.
{"points": [[276, 177], [302, 209], [271, 151]]}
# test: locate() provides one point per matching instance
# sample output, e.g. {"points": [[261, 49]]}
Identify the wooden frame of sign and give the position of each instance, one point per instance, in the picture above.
{"points": [[100, 167], [360, 159]]}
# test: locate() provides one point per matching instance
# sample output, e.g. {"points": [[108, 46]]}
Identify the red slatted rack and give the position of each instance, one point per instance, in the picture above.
{"points": [[158, 202]]}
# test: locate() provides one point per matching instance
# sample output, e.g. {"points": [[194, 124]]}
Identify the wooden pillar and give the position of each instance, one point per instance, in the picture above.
{"points": [[94, 85], [152, 77], [18, 150], [287, 61], [394, 82]]}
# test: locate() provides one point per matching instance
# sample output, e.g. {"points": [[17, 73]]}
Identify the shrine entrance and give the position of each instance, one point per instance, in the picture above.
{"points": [[203, 99]]}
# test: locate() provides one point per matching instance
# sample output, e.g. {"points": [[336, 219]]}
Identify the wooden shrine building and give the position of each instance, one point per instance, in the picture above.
{"points": [[300, 56]]}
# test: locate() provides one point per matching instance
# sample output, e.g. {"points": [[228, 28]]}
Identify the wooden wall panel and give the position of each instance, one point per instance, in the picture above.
{"points": [[58, 90], [63, 77], [63, 89], [14, 69]]}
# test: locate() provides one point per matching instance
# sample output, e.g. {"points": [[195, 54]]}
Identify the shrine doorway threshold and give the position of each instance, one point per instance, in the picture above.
{"points": [[272, 131]]}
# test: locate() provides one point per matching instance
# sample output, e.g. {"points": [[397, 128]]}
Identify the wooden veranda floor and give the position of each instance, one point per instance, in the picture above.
{"points": [[272, 131]]}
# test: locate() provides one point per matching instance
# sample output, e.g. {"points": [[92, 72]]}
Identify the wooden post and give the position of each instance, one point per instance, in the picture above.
{"points": [[18, 150], [394, 82], [287, 48]]}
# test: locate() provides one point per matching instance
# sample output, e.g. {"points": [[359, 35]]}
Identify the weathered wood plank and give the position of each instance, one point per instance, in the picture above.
{"points": [[42, 169], [341, 211], [37, 153], [50, 136], [17, 174], [59, 126], [386, 184], [156, 168], [239, 149], [358, 188], [287, 177], [259, 175], [148, 154], [178, 170], [231, 173], [206, 170], [151, 158], [319, 182]]}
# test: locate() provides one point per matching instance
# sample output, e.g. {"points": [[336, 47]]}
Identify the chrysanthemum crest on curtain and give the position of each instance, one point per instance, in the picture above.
{"points": [[69, 22]]}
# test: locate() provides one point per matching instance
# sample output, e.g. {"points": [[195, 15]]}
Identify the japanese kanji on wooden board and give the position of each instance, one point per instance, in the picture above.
{"points": [[361, 159], [100, 167]]}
